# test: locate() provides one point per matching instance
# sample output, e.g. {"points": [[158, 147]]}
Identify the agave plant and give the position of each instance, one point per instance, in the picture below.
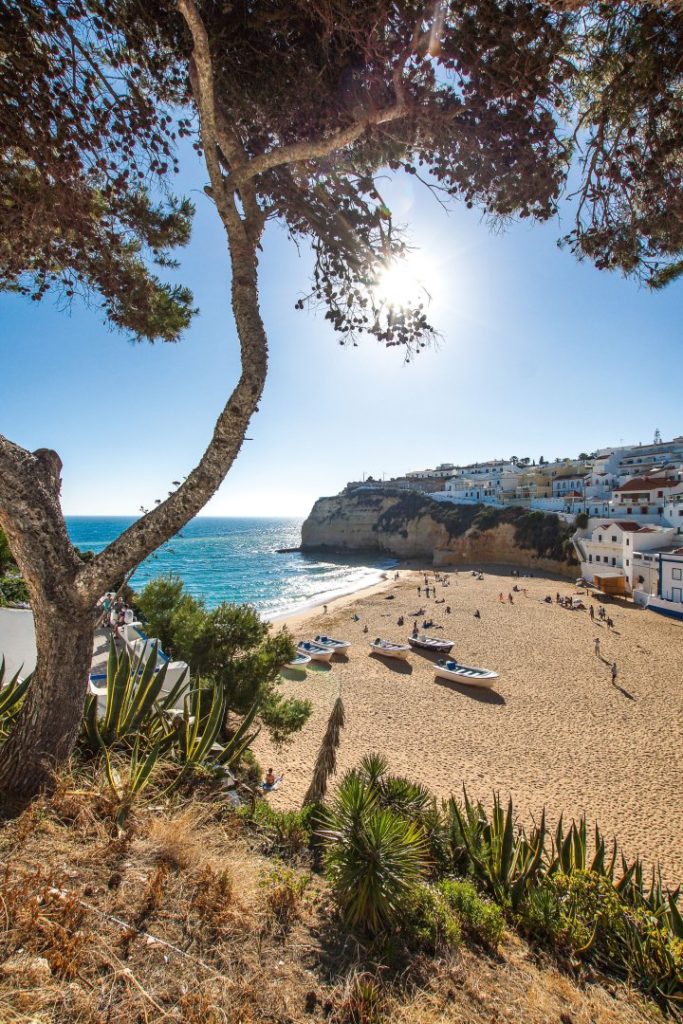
{"points": [[374, 856], [197, 732], [504, 860], [11, 694], [133, 701]]}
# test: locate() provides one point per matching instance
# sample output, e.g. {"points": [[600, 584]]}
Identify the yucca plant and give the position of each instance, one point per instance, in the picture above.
{"points": [[374, 857], [11, 694], [504, 860]]}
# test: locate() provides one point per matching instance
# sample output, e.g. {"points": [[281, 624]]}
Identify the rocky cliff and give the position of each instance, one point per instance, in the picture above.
{"points": [[411, 525]]}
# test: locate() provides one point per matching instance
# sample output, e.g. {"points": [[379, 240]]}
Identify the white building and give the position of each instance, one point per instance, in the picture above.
{"points": [[566, 484], [658, 581], [609, 546], [646, 496]]}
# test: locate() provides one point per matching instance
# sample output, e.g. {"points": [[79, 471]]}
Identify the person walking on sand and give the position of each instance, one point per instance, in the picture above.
{"points": [[419, 590], [596, 646], [592, 613], [501, 598], [324, 609], [511, 599], [614, 673]]}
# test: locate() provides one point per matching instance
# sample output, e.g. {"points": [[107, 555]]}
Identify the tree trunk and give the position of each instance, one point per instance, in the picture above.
{"points": [[48, 724], [64, 589]]}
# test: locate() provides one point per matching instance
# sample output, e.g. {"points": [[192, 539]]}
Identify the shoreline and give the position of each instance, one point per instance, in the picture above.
{"points": [[312, 609]]}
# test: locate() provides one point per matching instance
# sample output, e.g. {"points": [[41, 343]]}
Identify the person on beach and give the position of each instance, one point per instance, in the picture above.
{"points": [[610, 623], [324, 609], [511, 599], [415, 630], [269, 779], [501, 598], [419, 590], [592, 613], [448, 609], [477, 614], [596, 646], [614, 673]]}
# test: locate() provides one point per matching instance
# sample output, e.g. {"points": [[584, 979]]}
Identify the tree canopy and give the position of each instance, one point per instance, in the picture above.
{"points": [[489, 102], [84, 150]]}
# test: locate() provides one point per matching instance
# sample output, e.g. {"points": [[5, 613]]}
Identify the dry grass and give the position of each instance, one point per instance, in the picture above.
{"points": [[179, 919]]}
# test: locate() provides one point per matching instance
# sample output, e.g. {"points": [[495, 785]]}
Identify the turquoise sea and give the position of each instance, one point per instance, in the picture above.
{"points": [[237, 560]]}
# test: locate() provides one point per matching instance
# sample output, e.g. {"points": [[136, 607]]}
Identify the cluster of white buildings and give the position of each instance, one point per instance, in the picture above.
{"points": [[631, 498]]}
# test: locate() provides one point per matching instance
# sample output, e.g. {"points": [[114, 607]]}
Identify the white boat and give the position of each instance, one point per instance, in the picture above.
{"points": [[465, 674], [338, 646], [430, 643], [298, 661], [316, 652], [389, 650]]}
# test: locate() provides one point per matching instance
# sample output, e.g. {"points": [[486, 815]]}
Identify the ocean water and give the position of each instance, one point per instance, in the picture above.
{"points": [[237, 560]]}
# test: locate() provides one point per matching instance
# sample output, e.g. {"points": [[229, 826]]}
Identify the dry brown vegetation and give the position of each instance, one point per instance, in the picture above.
{"points": [[181, 918]]}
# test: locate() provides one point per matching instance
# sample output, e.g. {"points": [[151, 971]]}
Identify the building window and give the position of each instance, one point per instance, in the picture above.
{"points": [[628, 542], [614, 540], [675, 574], [600, 537], [627, 562], [629, 511], [660, 511], [614, 561], [643, 510], [590, 558], [660, 494]]}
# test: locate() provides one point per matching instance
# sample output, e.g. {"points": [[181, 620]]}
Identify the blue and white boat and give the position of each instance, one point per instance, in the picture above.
{"points": [[316, 652], [465, 674], [338, 646], [299, 661]]}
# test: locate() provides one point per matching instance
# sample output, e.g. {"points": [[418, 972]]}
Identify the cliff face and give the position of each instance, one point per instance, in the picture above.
{"points": [[413, 526]]}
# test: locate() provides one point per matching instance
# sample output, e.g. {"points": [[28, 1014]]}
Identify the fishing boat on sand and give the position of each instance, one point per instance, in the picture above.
{"points": [[430, 643], [298, 661], [389, 650], [316, 652], [338, 646], [465, 674]]}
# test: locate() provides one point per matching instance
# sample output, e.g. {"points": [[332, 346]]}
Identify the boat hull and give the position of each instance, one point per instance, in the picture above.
{"points": [[467, 676], [300, 661], [389, 652], [437, 646], [316, 655]]}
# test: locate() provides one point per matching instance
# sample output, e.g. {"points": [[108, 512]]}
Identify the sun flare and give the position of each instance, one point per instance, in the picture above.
{"points": [[404, 283]]}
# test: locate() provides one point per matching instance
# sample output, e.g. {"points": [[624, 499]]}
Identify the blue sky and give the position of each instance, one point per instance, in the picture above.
{"points": [[539, 355]]}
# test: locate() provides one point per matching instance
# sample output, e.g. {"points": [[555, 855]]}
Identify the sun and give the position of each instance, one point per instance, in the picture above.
{"points": [[404, 283]]}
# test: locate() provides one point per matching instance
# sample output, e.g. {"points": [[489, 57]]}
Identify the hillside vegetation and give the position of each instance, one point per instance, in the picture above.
{"points": [[543, 533]]}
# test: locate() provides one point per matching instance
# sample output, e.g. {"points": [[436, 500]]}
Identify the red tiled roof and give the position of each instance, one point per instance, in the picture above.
{"points": [[646, 483]]}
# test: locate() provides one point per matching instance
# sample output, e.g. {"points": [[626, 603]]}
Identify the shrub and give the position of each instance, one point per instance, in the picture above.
{"points": [[428, 923], [287, 833], [584, 912], [283, 890], [479, 917]]}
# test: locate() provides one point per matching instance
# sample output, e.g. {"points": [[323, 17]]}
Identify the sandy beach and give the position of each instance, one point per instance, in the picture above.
{"points": [[555, 732]]}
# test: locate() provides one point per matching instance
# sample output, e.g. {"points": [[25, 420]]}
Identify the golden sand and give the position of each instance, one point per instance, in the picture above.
{"points": [[555, 732]]}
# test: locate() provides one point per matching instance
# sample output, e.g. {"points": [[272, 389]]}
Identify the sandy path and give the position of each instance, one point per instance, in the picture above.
{"points": [[556, 732]]}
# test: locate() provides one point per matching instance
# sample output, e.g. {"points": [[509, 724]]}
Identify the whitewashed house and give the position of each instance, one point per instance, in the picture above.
{"points": [[609, 547]]}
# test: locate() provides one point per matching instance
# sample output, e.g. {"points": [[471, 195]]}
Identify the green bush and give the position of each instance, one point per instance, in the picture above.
{"points": [[13, 590], [479, 917], [287, 833], [428, 923], [584, 913]]}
